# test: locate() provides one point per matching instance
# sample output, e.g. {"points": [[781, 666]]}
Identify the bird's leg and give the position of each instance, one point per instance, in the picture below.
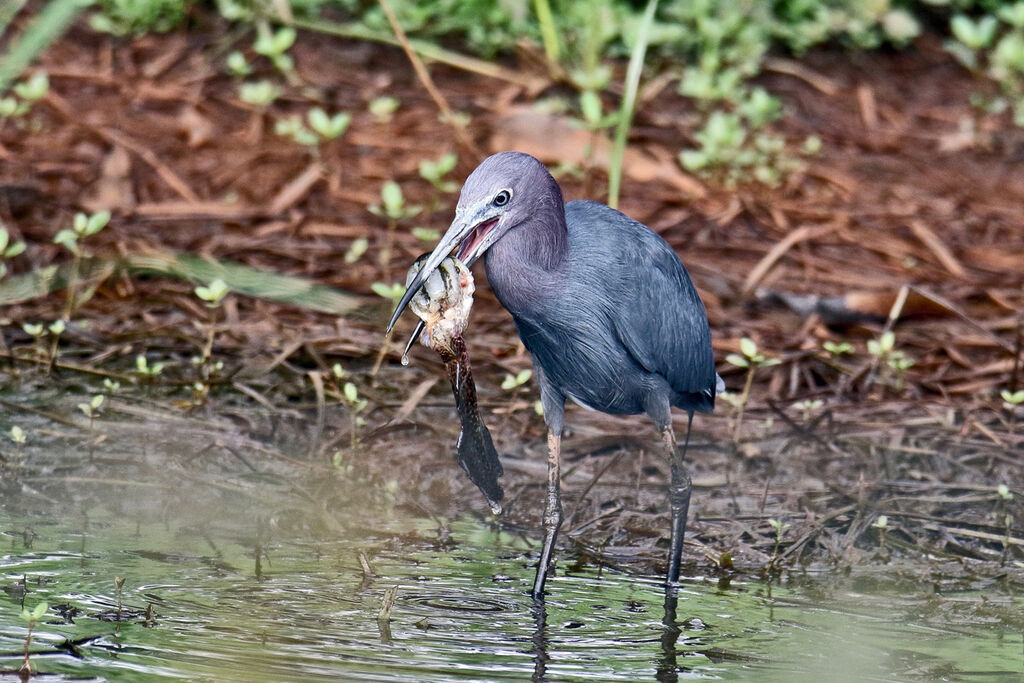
{"points": [[552, 513], [679, 498]]}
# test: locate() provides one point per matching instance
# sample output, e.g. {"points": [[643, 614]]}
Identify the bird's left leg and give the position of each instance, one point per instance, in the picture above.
{"points": [[552, 512], [679, 497]]}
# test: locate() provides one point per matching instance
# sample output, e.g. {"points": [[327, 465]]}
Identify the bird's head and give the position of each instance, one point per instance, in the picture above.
{"points": [[503, 192]]}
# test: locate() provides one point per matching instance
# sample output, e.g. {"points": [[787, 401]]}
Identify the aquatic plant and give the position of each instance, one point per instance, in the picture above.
{"points": [[394, 208], [72, 239], [32, 618]]}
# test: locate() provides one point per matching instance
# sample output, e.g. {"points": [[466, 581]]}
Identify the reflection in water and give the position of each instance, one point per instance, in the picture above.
{"points": [[540, 640], [667, 671]]}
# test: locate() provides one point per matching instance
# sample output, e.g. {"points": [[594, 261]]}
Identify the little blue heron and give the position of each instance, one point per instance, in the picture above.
{"points": [[603, 305]]}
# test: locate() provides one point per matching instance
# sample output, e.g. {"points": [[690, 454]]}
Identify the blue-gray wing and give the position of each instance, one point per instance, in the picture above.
{"points": [[662, 322]]}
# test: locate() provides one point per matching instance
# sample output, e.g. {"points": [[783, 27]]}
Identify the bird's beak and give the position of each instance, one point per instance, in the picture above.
{"points": [[469, 232]]}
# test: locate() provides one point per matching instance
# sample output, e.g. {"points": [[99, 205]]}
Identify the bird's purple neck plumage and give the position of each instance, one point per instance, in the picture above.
{"points": [[526, 261]]}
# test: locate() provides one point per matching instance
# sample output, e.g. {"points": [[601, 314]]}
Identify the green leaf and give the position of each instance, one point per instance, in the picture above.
{"points": [[383, 107], [351, 393], [17, 434], [57, 327], [39, 610], [96, 222], [426, 234], [748, 347], [508, 383], [14, 250], [67, 239], [737, 360], [523, 376], [96, 401], [391, 195], [356, 249], [590, 106], [35, 88]]}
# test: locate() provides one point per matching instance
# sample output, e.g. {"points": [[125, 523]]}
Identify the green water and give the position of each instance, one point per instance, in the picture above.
{"points": [[249, 561], [461, 612]]}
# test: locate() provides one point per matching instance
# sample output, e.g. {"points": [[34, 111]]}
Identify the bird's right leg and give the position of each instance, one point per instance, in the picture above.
{"points": [[554, 411], [679, 498], [552, 512]]}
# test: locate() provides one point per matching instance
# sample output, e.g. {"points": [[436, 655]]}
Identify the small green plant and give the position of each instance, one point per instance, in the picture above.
{"points": [[112, 386], [212, 295], [56, 329], [356, 249], [426, 234], [513, 382], [274, 46], [37, 331], [329, 127], [780, 528], [8, 250], [83, 227], [260, 94], [752, 360], [32, 618], [808, 407], [145, 370], [993, 46], [356, 405], [896, 362], [836, 349], [392, 292], [237, 65], [882, 524], [135, 17], [91, 409], [1011, 401], [434, 172], [27, 93], [18, 435], [383, 108], [394, 208]]}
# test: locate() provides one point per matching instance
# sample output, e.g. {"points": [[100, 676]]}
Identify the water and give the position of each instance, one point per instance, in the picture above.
{"points": [[251, 569], [462, 611]]}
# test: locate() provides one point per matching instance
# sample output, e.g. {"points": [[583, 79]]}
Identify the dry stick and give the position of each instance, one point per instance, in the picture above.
{"points": [[428, 83], [894, 314]]}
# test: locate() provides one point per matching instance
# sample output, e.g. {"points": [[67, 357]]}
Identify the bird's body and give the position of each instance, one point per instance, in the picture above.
{"points": [[602, 303], [631, 335]]}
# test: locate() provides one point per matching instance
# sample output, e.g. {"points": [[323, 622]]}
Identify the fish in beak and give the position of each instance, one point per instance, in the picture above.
{"points": [[472, 232]]}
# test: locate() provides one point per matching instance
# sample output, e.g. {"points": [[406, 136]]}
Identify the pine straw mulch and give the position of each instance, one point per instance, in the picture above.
{"points": [[914, 189]]}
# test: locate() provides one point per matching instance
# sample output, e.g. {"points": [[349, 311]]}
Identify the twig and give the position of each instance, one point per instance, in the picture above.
{"points": [[428, 83]]}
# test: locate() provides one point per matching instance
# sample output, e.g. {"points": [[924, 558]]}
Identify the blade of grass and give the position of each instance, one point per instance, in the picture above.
{"points": [[240, 278], [547, 29], [8, 10], [48, 25], [636, 65]]}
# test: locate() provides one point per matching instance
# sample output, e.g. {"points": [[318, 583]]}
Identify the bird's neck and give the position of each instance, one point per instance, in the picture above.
{"points": [[526, 263]]}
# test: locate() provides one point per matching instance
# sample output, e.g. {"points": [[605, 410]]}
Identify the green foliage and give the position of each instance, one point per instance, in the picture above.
{"points": [[434, 172], [512, 382], [144, 369], [26, 94], [992, 46], [274, 46], [237, 65], [383, 108], [8, 250], [213, 293], [18, 435], [392, 292], [135, 17], [259, 93], [393, 204], [837, 348], [751, 357], [357, 249]]}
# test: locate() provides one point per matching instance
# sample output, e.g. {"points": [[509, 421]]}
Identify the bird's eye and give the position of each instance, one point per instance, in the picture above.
{"points": [[502, 198]]}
